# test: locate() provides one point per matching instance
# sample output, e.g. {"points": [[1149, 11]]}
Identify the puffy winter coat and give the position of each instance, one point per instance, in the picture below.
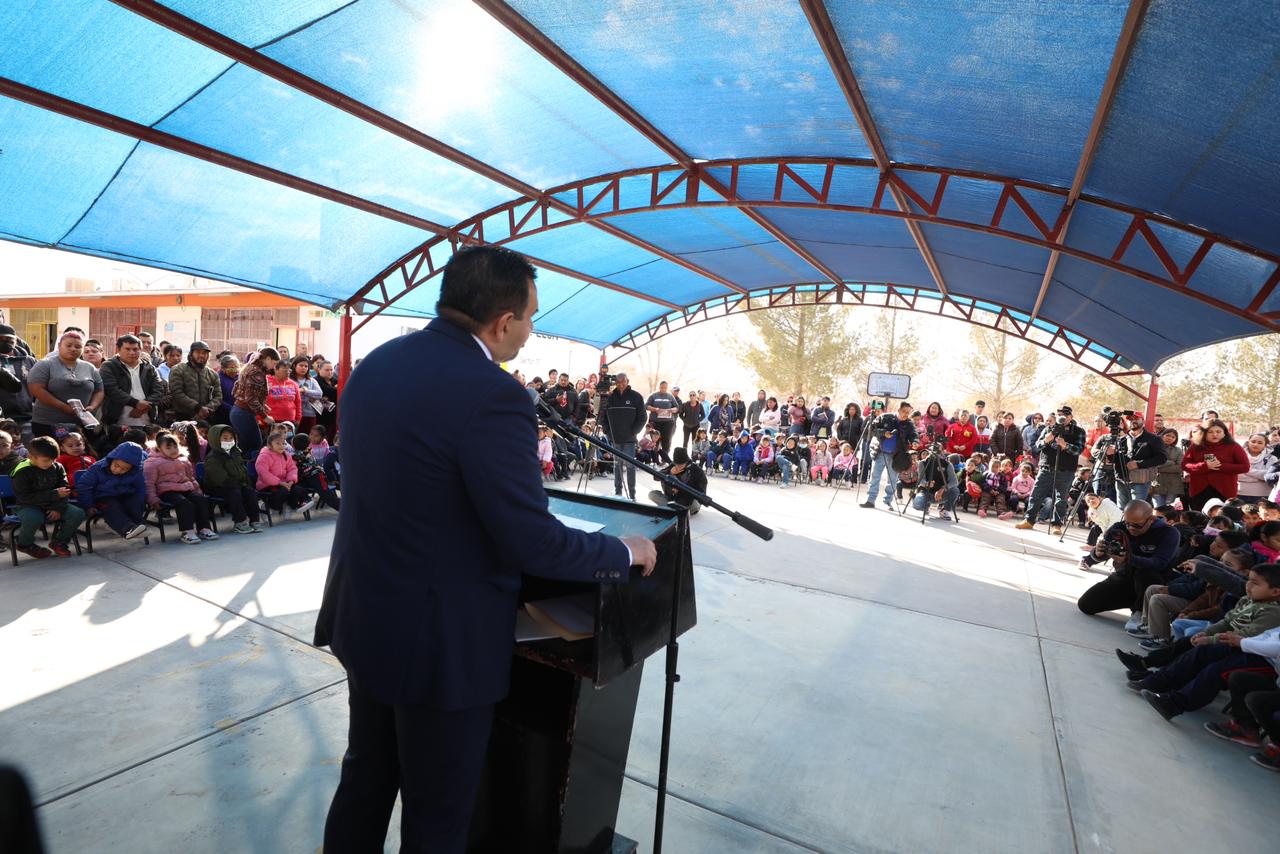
{"points": [[97, 481], [274, 469], [165, 475]]}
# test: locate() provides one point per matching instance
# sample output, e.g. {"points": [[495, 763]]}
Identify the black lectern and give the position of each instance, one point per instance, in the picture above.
{"points": [[553, 776]]}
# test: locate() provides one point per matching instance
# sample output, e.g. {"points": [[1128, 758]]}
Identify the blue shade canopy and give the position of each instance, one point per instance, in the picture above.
{"points": [[656, 158]]}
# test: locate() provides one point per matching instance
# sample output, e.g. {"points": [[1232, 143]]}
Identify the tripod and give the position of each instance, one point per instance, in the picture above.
{"points": [[857, 481], [564, 428], [932, 463], [1093, 478]]}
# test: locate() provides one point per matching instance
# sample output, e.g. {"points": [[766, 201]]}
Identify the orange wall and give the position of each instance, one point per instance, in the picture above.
{"points": [[193, 300]]}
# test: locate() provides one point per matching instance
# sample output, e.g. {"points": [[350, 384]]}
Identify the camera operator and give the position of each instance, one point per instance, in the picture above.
{"points": [[938, 482], [685, 472], [1059, 445], [562, 397], [1142, 549], [891, 439], [624, 415], [1133, 459]]}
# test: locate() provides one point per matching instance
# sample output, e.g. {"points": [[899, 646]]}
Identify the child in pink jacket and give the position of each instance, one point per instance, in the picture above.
{"points": [[278, 477], [171, 480]]}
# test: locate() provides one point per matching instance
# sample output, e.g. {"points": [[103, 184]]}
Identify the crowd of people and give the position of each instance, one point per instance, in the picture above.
{"points": [[1190, 525], [153, 433]]}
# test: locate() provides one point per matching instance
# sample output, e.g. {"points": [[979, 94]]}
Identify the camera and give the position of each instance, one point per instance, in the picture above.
{"points": [[1115, 418], [1115, 546], [606, 380]]}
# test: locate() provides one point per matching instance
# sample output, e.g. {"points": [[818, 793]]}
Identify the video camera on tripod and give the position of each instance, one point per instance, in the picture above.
{"points": [[607, 380], [1115, 418]]}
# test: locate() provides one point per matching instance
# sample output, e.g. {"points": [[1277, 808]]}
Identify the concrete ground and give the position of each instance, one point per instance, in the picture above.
{"points": [[862, 683]]}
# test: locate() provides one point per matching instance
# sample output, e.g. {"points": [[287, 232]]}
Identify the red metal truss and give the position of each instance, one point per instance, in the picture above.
{"points": [[1070, 345], [674, 187], [1119, 62]]}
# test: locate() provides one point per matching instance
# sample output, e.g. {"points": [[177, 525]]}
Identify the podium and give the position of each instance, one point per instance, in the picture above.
{"points": [[553, 774]]}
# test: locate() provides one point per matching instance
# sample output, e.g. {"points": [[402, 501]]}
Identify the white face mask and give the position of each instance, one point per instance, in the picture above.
{"points": [[227, 446]]}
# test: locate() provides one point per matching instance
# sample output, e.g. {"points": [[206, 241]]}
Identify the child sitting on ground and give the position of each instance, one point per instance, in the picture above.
{"points": [[311, 474], [227, 477], [701, 447], [744, 454], [116, 488], [9, 458], [844, 466], [41, 492], [172, 480], [820, 470], [73, 458], [996, 491], [278, 477], [719, 452], [647, 449]]}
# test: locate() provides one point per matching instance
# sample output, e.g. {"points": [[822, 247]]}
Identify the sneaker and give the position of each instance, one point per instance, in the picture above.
{"points": [[1269, 758], [1024, 525], [1135, 620], [888, 505], [135, 531], [35, 551], [870, 504], [1131, 660], [208, 534], [1140, 633], [1154, 643], [982, 514], [1084, 565], [1056, 530], [1232, 731], [308, 505], [242, 528], [1005, 517], [190, 537], [1162, 703], [1134, 685], [257, 528], [60, 549]]}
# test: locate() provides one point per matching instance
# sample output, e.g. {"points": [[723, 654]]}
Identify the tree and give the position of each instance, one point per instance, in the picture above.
{"points": [[804, 349], [1255, 396], [898, 350], [1001, 371]]}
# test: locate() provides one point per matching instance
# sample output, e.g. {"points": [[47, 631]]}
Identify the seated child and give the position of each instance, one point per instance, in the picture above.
{"points": [[1020, 487], [227, 477], [41, 494], [545, 460], [116, 487], [744, 454], [73, 457], [762, 461], [820, 470], [9, 458], [278, 477], [996, 491], [701, 447], [1255, 703], [647, 449], [311, 474], [8, 425], [719, 452], [1194, 678], [172, 480], [319, 444], [844, 466]]}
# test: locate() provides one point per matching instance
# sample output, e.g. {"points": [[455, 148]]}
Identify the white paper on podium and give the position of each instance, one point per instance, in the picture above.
{"points": [[580, 524], [528, 629]]}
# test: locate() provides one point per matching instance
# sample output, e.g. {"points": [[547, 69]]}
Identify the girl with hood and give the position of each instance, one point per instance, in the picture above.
{"points": [[116, 487], [227, 477]]}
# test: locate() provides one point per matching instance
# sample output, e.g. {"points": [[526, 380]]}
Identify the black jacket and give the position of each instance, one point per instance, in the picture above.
{"points": [[16, 403], [1155, 550], [119, 389], [690, 414], [1007, 442], [562, 399], [849, 430], [692, 475], [904, 431], [1146, 449], [1060, 459], [36, 487], [623, 414]]}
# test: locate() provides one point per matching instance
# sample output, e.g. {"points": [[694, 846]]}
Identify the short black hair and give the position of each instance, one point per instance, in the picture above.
{"points": [[481, 283], [94, 341], [1268, 572], [127, 339], [1269, 529], [44, 447], [1235, 514], [1234, 539], [301, 442], [138, 437], [73, 329]]}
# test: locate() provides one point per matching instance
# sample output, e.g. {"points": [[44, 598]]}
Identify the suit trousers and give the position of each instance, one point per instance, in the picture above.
{"points": [[433, 758]]}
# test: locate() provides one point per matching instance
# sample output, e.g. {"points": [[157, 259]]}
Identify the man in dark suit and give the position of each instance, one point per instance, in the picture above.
{"points": [[434, 533]]}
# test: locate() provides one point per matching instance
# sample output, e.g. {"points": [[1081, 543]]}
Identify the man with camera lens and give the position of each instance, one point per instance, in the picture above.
{"points": [[624, 415], [938, 482], [891, 437], [1059, 444], [1130, 456], [1142, 549]]}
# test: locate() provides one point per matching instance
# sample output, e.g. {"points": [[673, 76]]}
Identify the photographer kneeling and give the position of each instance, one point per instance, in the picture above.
{"points": [[685, 472], [938, 482], [1059, 445], [1142, 549]]}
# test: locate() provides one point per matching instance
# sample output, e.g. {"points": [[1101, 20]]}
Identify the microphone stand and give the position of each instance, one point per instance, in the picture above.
{"points": [[673, 644]]}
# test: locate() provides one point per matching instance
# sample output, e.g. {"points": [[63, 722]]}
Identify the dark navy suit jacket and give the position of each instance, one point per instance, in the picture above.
{"points": [[442, 510]]}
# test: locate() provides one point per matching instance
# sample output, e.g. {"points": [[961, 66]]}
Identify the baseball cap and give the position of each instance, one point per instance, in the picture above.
{"points": [[200, 345], [1064, 410]]}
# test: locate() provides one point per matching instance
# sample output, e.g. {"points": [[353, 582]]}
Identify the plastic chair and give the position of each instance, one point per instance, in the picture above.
{"points": [[91, 515]]}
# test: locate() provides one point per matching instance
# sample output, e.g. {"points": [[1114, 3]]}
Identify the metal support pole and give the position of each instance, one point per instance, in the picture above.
{"points": [[344, 347], [1153, 396]]}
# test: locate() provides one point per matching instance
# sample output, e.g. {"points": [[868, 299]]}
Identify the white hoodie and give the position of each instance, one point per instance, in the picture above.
{"points": [[1266, 645]]}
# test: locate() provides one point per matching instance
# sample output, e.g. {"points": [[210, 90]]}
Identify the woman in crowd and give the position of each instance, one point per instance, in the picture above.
{"points": [[849, 427], [61, 378], [934, 423], [722, 414], [1213, 463], [1168, 484], [770, 416], [328, 417], [284, 398], [250, 413], [228, 371], [310, 390], [798, 418], [1252, 484], [172, 358]]}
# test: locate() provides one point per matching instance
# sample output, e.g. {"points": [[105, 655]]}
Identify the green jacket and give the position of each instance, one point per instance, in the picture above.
{"points": [[192, 387], [35, 487], [223, 470], [1248, 618]]}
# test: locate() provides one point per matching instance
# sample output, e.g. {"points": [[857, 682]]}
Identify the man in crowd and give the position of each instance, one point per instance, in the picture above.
{"points": [[1142, 549], [16, 404], [978, 409], [93, 353], [133, 387], [822, 420], [664, 406], [562, 397], [1140, 453], [624, 415], [756, 407], [1059, 445], [195, 392], [149, 351], [889, 435]]}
